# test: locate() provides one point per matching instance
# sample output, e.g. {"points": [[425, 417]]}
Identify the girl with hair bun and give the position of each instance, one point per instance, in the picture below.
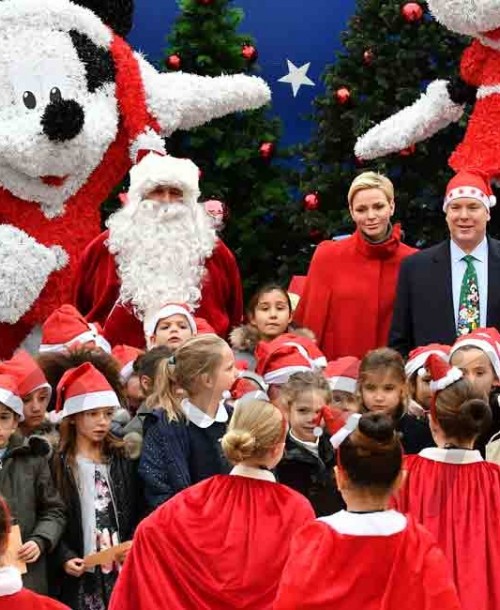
{"points": [[453, 492], [367, 556], [12, 593], [223, 543]]}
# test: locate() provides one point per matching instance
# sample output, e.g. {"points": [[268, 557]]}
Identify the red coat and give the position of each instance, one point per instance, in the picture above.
{"points": [[218, 545], [98, 286], [349, 294], [403, 571]]}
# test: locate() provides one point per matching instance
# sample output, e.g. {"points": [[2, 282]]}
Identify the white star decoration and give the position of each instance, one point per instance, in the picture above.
{"points": [[297, 77]]}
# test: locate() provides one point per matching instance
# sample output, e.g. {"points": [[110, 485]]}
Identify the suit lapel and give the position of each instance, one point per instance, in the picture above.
{"points": [[442, 291], [493, 311]]}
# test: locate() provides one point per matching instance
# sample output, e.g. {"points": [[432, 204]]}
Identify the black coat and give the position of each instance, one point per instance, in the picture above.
{"points": [[26, 483], [423, 311], [127, 501], [311, 475]]}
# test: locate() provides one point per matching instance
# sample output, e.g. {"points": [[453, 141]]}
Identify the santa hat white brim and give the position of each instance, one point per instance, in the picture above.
{"points": [[485, 347], [342, 384], [415, 364], [13, 402], [454, 374], [89, 401], [151, 321], [281, 376]]}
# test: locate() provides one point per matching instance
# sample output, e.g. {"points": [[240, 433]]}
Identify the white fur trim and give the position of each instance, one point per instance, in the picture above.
{"points": [[100, 341], [471, 193], [487, 90], [433, 111], [485, 347], [342, 384], [454, 374], [87, 336], [281, 376], [87, 402], [470, 18], [351, 424], [199, 418], [25, 269], [320, 362], [127, 371], [151, 320], [386, 523], [148, 140], [10, 581], [9, 399], [413, 365], [249, 472], [451, 456]]}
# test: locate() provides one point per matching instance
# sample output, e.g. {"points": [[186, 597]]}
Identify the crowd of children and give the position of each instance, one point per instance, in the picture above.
{"points": [[189, 476]]}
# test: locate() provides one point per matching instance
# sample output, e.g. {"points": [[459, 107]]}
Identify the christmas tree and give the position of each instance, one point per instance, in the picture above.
{"points": [[238, 155], [392, 50]]}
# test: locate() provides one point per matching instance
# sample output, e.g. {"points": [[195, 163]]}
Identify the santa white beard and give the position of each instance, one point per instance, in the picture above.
{"points": [[160, 252]]}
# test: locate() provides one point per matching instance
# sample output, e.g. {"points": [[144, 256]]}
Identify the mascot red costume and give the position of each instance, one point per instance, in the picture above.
{"points": [[444, 101], [76, 106]]}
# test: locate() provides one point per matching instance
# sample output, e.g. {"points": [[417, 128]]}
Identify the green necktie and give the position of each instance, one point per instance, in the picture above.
{"points": [[468, 308]]}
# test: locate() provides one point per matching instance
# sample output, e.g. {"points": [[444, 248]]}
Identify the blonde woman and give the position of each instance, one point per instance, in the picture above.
{"points": [[351, 284], [221, 544]]}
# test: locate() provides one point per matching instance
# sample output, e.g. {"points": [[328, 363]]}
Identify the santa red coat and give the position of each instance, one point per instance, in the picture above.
{"points": [[97, 288], [349, 293], [456, 496], [14, 597], [218, 545], [345, 571]]}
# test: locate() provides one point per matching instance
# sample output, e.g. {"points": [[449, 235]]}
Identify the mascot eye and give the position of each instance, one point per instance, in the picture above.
{"points": [[29, 100], [55, 95]]}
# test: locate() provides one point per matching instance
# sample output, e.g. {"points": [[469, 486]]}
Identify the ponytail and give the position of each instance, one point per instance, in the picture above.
{"points": [[165, 388]]}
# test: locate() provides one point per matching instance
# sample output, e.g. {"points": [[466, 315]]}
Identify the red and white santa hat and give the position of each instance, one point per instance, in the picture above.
{"points": [[249, 385], [306, 346], [126, 356], [418, 357], [485, 339], [442, 374], [170, 309], [66, 327], [10, 395], [275, 364], [82, 389], [473, 185], [342, 374], [155, 170], [27, 372]]}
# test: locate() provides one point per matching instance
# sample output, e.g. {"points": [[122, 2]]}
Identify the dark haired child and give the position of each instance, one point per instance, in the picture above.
{"points": [[452, 492], [383, 388], [27, 485], [418, 378], [342, 376], [12, 593], [366, 556], [98, 483], [308, 461]]}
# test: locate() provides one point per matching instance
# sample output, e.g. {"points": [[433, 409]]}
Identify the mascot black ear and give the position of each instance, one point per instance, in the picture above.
{"points": [[116, 14]]}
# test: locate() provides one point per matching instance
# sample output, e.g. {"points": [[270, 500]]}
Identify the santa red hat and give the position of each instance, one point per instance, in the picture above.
{"points": [[418, 357], [155, 170], [306, 346], [203, 327], [170, 309], [342, 374], [126, 356], [276, 363], [473, 185], [82, 389], [249, 385], [10, 395], [27, 372], [442, 374], [485, 339], [66, 327]]}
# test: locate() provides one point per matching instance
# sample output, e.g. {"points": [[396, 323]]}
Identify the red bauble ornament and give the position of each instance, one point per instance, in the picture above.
{"points": [[343, 95], [412, 12], [173, 62], [311, 202], [368, 57], [407, 152], [266, 150], [206, 2], [249, 52]]}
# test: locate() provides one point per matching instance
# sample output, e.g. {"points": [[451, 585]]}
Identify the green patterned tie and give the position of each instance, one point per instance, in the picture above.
{"points": [[468, 309]]}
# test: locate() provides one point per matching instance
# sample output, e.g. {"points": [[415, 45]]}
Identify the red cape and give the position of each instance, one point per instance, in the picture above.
{"points": [[460, 506], [27, 600], [327, 570], [97, 287], [218, 545], [349, 294]]}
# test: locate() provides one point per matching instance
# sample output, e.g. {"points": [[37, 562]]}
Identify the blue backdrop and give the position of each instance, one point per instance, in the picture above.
{"points": [[301, 31]]}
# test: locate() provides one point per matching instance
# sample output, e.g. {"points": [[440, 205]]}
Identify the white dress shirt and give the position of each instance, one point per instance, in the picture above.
{"points": [[458, 267]]}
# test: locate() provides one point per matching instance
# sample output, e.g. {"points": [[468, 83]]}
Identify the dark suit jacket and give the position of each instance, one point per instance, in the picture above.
{"points": [[423, 312]]}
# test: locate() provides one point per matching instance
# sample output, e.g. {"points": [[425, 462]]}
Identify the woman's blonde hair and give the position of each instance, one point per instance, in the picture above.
{"points": [[199, 355], [371, 180], [255, 428]]}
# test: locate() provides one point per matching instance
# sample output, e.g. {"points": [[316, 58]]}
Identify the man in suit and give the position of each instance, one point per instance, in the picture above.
{"points": [[453, 287]]}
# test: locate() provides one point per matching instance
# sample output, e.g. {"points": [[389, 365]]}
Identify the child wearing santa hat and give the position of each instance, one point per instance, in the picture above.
{"points": [[12, 592], [309, 458], [172, 325], [418, 379], [366, 556], [26, 483], [455, 494], [342, 376], [98, 484]]}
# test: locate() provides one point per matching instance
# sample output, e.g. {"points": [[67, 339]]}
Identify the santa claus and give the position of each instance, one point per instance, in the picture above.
{"points": [[160, 247]]}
